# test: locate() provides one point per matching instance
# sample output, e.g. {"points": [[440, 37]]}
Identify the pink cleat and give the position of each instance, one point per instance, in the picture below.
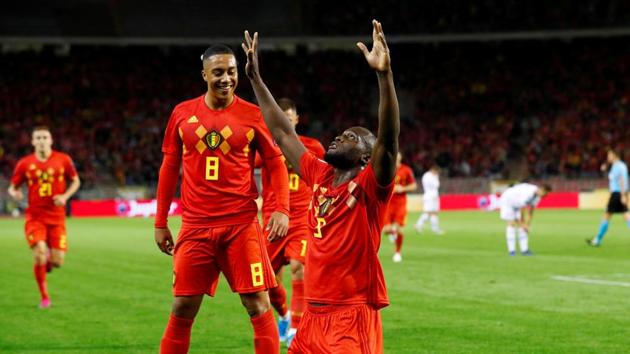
{"points": [[46, 303]]}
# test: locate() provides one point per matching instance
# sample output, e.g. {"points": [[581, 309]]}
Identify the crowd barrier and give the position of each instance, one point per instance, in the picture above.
{"points": [[556, 200]]}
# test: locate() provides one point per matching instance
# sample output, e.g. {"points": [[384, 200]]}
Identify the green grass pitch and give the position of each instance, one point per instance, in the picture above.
{"points": [[456, 293]]}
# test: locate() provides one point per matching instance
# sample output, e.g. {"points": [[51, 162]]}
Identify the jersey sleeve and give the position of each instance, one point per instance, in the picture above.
{"points": [[410, 178], [311, 168], [317, 149], [172, 143], [69, 170], [18, 174], [266, 147], [373, 189]]}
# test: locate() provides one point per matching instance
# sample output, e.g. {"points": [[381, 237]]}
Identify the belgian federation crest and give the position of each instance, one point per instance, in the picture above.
{"points": [[213, 139]]}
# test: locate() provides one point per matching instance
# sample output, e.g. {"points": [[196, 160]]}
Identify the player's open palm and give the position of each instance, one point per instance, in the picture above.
{"points": [[251, 52], [378, 57]]}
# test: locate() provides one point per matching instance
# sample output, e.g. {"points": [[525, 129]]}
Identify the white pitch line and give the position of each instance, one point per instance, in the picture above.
{"points": [[591, 281]]}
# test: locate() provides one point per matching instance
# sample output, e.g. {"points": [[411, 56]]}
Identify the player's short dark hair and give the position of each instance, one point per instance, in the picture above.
{"points": [[286, 104], [41, 127], [216, 49]]}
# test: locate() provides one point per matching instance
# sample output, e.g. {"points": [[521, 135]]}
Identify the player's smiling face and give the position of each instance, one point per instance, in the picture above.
{"points": [[221, 74]]}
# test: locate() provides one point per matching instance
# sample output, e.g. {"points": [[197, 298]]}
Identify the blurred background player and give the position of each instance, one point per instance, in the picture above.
{"points": [[344, 282], [292, 248], [216, 137], [618, 201], [396, 215], [430, 200], [514, 202], [46, 172]]}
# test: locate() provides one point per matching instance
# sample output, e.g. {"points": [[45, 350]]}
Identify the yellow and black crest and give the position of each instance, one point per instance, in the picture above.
{"points": [[213, 139], [325, 207]]}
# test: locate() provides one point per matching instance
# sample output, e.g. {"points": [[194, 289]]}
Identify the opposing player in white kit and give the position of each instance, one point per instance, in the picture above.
{"points": [[515, 201], [430, 200]]}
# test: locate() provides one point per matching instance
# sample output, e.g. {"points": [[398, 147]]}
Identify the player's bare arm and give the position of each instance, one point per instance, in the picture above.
{"points": [[62, 199], [399, 188], [15, 193], [383, 158], [622, 188], [280, 127]]}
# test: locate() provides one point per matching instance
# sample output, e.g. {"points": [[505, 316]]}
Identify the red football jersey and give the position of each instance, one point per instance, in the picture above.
{"points": [[346, 221], [404, 177], [218, 150], [45, 179], [300, 194]]}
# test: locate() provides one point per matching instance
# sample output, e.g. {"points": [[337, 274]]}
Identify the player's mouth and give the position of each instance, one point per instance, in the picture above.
{"points": [[332, 146], [224, 89]]}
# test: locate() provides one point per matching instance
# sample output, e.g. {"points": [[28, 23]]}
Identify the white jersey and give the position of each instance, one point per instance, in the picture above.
{"points": [[430, 184], [520, 196]]}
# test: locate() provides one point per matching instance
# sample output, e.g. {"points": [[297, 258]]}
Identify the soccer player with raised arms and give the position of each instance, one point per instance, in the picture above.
{"points": [[46, 173], [343, 278], [291, 249], [215, 138]]}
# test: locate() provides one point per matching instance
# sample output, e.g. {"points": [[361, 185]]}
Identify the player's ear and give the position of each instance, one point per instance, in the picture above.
{"points": [[204, 76]]}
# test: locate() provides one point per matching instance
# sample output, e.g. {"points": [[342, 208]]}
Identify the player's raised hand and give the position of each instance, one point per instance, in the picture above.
{"points": [[164, 240], [251, 52], [378, 57], [278, 226]]}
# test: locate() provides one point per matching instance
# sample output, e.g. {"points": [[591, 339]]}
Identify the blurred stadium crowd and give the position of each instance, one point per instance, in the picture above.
{"points": [[478, 109]]}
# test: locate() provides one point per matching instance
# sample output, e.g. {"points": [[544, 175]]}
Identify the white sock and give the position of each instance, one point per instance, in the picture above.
{"points": [[286, 317], [523, 241], [510, 235], [422, 219], [435, 222]]}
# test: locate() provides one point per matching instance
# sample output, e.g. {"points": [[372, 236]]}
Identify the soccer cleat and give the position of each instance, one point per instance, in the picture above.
{"points": [[527, 253], [46, 303], [397, 258], [438, 232], [418, 228], [283, 326], [512, 254], [592, 242], [291, 336]]}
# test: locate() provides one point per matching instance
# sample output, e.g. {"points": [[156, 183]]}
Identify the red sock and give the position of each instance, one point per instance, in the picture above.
{"points": [[176, 339], [297, 302], [40, 277], [399, 241], [266, 336], [278, 298]]}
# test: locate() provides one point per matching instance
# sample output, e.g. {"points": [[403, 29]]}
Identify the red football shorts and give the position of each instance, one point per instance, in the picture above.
{"points": [[339, 329], [292, 246], [53, 235], [396, 213], [236, 250]]}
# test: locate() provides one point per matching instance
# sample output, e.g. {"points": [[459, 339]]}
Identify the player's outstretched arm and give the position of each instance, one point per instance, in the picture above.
{"points": [[281, 129], [386, 148]]}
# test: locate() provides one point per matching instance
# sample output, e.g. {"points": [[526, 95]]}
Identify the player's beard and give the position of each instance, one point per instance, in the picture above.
{"points": [[340, 161]]}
